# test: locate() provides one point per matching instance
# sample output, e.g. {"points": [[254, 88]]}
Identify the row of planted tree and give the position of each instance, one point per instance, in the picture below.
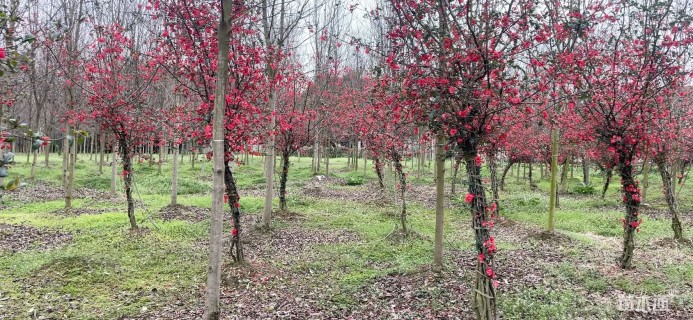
{"points": [[484, 83]]}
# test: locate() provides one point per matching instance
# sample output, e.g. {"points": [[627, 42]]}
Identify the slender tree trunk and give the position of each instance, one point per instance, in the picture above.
{"points": [[484, 302], [221, 171], [283, 179], [379, 172], [585, 171], [127, 182], [102, 146], [114, 170], [161, 159], [356, 156], [494, 179], [519, 168], [455, 169], [316, 154], [66, 155], [564, 174], [92, 147], [236, 250], [631, 198], [553, 173], [72, 157], [402, 189], [47, 151], [440, 200], [531, 182], [668, 182], [174, 177], [505, 173], [327, 159], [193, 157], [607, 181], [365, 161], [33, 164]]}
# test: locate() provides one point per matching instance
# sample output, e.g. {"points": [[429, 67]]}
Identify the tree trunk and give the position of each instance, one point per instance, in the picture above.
{"points": [[236, 249], [564, 175], [127, 182], [114, 170], [193, 157], [327, 159], [174, 177], [505, 173], [316, 155], [494, 179], [531, 182], [365, 161], [609, 174], [440, 200], [47, 151], [70, 186], [221, 171], [552, 178], [282, 181], [631, 196], [484, 303], [455, 169], [519, 168], [668, 182], [586, 171], [33, 164], [66, 155], [92, 147], [402, 189], [161, 159], [379, 172], [102, 146]]}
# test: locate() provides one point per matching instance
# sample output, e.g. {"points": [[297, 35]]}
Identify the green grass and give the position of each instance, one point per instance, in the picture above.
{"points": [[107, 272]]}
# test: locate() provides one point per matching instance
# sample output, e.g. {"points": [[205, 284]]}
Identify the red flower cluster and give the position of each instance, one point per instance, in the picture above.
{"points": [[634, 193], [469, 198], [490, 245]]}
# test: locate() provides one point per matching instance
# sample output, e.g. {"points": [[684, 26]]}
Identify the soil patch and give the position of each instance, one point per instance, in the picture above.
{"points": [[15, 238], [185, 213]]}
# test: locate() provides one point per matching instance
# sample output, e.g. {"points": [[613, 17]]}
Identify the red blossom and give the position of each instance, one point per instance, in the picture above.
{"points": [[469, 198]]}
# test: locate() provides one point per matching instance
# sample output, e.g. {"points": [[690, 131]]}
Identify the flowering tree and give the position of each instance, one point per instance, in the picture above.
{"points": [[119, 76], [462, 59], [388, 128], [633, 61], [188, 52], [672, 149], [294, 126]]}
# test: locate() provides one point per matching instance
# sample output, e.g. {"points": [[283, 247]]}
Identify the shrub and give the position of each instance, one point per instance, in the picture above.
{"points": [[584, 189], [355, 179]]}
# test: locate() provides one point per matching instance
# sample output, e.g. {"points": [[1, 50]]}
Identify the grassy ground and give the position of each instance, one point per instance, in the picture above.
{"points": [[336, 256]]}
